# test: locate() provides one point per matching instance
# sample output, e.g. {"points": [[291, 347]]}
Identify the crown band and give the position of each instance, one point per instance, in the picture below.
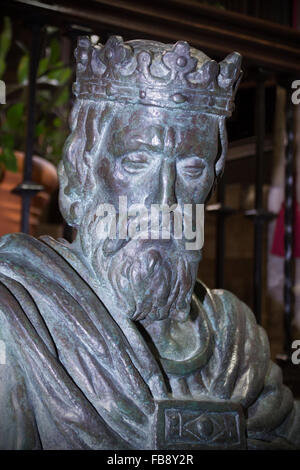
{"points": [[172, 99]]}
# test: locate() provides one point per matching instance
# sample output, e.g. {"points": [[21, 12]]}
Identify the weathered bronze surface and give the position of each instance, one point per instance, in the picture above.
{"points": [[113, 343]]}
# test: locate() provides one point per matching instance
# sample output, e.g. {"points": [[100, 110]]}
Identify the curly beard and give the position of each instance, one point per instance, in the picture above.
{"points": [[151, 279]]}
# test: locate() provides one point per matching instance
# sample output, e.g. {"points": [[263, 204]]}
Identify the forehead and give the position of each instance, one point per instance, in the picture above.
{"points": [[158, 128]]}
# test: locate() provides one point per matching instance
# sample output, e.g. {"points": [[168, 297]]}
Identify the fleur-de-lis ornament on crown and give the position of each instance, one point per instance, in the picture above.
{"points": [[151, 73]]}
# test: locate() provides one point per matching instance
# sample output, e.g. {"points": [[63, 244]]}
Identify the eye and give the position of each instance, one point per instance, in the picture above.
{"points": [[135, 163], [192, 167]]}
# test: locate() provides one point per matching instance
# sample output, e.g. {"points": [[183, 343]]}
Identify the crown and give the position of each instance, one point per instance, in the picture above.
{"points": [[151, 73]]}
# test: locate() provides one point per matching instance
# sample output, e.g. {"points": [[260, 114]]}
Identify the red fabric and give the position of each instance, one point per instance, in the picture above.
{"points": [[278, 240]]}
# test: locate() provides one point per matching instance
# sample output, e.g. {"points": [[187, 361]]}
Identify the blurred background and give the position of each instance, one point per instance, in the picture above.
{"points": [[252, 225]]}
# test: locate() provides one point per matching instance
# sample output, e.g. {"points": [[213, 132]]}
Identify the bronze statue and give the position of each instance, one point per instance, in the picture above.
{"points": [[111, 342]]}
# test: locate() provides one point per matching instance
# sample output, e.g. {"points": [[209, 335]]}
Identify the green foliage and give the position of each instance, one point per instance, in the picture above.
{"points": [[52, 97], [7, 156], [5, 43], [14, 115], [54, 51], [23, 69]]}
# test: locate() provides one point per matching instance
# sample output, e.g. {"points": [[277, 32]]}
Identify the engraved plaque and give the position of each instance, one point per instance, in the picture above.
{"points": [[199, 425]]}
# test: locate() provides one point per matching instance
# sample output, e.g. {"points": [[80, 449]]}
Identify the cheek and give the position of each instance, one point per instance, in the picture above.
{"points": [[196, 190]]}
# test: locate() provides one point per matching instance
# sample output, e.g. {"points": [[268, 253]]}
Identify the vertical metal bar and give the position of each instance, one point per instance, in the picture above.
{"points": [[288, 225], [258, 220], [220, 239], [34, 62]]}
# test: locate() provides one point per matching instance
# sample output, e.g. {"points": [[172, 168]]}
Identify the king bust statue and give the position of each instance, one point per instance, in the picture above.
{"points": [[111, 342]]}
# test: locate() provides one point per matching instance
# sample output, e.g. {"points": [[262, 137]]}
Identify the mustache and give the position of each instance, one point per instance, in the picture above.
{"points": [[161, 234]]}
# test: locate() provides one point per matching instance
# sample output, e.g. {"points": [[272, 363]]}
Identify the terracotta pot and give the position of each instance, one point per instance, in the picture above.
{"points": [[44, 173]]}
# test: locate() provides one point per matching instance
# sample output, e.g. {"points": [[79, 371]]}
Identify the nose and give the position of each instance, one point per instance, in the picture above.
{"points": [[167, 178]]}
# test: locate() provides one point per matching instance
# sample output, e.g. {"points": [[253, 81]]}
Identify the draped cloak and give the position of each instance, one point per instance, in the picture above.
{"points": [[76, 378]]}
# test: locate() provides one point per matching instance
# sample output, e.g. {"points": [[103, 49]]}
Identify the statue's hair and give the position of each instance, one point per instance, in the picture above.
{"points": [[89, 122]]}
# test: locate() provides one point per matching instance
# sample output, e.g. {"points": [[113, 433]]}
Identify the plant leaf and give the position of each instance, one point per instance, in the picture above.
{"points": [[61, 75], [5, 37], [57, 122], [9, 159], [23, 69], [43, 66], [14, 115], [2, 66], [40, 128], [63, 97], [54, 51], [7, 141]]}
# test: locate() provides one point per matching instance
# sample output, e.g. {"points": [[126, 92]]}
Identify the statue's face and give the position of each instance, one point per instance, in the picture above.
{"points": [[151, 156], [156, 156]]}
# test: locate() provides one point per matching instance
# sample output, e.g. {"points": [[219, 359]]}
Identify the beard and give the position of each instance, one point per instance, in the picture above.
{"points": [[150, 279]]}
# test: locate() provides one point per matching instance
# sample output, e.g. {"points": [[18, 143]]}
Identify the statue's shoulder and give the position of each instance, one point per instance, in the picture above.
{"points": [[221, 300], [19, 254], [227, 312], [20, 249], [19, 243], [24, 263]]}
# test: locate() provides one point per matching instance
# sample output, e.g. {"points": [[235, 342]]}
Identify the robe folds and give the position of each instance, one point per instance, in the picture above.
{"points": [[76, 378]]}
